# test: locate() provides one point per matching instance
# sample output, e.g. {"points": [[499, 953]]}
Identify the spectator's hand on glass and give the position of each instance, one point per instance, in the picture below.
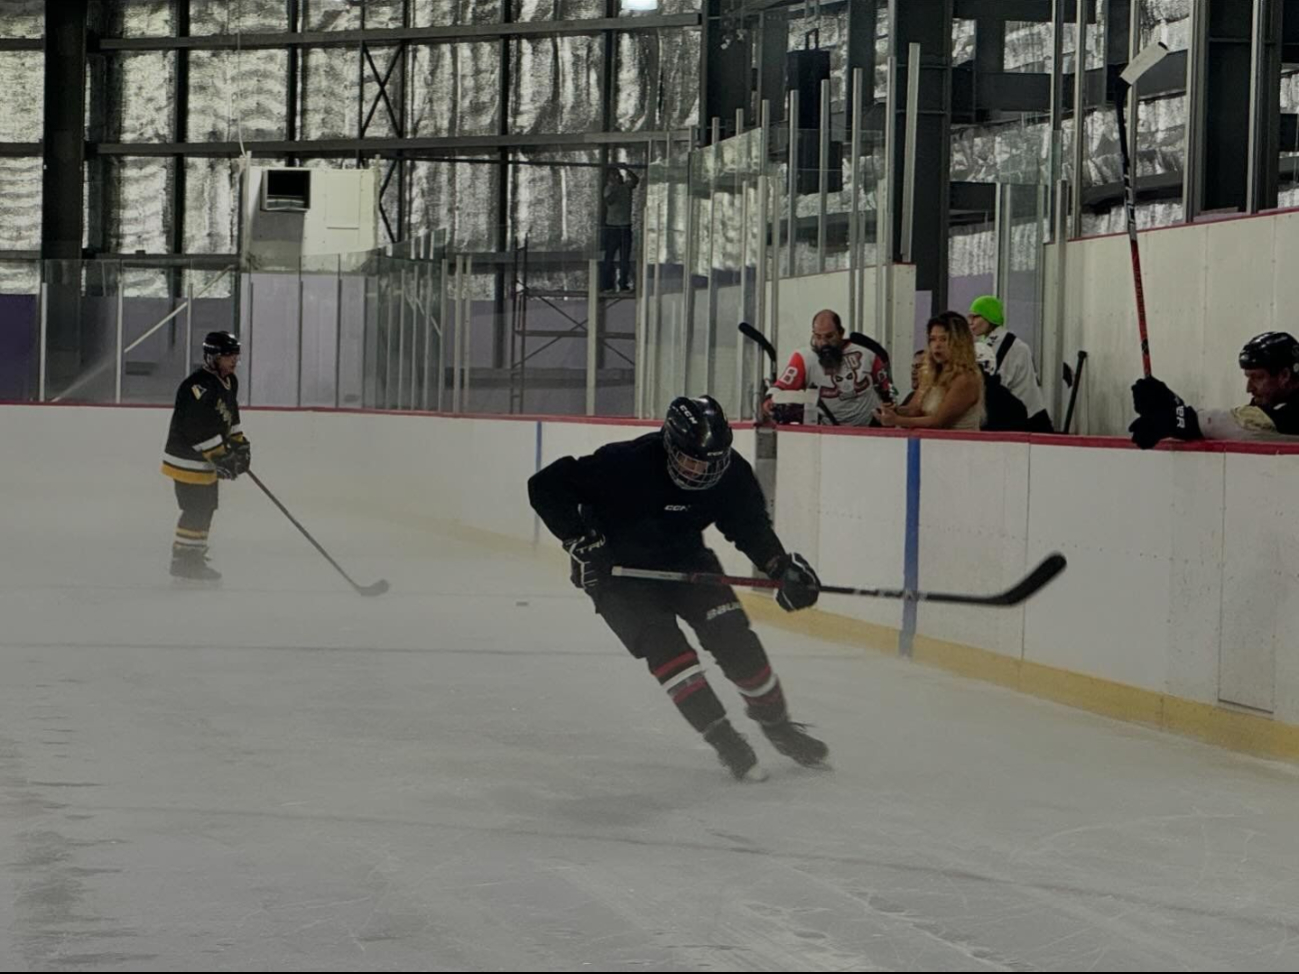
{"points": [[887, 414]]}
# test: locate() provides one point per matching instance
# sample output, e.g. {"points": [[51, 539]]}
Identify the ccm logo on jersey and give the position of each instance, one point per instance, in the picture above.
{"points": [[676, 507]]}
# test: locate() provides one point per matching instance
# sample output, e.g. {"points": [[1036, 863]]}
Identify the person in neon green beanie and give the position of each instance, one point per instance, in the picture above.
{"points": [[990, 310], [1009, 359]]}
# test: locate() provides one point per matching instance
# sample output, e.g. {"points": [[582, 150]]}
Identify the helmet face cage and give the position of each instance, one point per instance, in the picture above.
{"points": [[697, 441], [695, 473]]}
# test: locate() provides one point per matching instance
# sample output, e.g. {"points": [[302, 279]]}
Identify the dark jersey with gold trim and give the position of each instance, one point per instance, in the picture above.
{"points": [[1284, 416], [1251, 422], [205, 418]]}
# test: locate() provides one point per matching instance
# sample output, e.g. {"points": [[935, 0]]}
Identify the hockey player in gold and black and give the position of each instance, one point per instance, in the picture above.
{"points": [[1270, 364], [205, 444]]}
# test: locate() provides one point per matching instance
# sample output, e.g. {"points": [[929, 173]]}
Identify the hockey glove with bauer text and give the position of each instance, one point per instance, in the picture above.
{"points": [[591, 562], [799, 586], [1160, 413]]}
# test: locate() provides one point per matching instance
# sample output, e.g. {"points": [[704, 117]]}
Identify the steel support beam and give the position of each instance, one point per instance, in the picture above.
{"points": [[503, 277], [391, 36], [929, 25], [180, 132], [1242, 72], [773, 34], [723, 71], [386, 147], [64, 134], [63, 182]]}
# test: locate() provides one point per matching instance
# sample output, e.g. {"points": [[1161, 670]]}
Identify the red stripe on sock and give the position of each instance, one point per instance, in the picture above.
{"points": [[681, 662], [685, 691], [757, 680]]}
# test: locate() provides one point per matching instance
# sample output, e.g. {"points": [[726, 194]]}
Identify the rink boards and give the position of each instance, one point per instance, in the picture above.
{"points": [[1176, 610]]}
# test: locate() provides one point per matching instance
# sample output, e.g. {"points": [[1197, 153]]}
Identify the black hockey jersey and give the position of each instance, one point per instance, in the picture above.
{"points": [[1254, 421], [205, 417], [624, 491], [1284, 417]]}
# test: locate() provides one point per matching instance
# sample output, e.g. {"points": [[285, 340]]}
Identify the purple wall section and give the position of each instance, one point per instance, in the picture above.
{"points": [[19, 337]]}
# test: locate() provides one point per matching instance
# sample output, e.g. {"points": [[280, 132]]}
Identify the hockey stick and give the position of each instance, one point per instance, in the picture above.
{"points": [[1027, 587], [1139, 65], [378, 588], [759, 339], [1073, 391]]}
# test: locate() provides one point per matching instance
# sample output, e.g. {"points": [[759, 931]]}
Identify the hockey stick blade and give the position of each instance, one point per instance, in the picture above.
{"points": [[1146, 59], [753, 335], [1026, 588], [378, 588], [1030, 585]]}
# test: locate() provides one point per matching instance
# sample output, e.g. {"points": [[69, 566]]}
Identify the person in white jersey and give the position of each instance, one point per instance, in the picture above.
{"points": [[1007, 358], [850, 373]]}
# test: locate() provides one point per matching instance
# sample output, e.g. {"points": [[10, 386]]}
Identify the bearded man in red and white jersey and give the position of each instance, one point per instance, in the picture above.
{"points": [[851, 373]]}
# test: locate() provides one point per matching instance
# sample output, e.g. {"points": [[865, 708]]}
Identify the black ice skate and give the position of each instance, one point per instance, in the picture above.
{"points": [[191, 565], [793, 741], [734, 752]]}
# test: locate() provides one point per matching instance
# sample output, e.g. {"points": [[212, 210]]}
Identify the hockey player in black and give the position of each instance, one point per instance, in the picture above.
{"points": [[1270, 362], [205, 443], [645, 503]]}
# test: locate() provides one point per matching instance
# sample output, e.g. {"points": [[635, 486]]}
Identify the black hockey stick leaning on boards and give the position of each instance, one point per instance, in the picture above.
{"points": [[1139, 65], [378, 588], [1074, 380], [758, 338], [1025, 588]]}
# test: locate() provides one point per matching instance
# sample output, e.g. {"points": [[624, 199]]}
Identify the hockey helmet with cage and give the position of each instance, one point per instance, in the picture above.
{"points": [[698, 442], [1273, 351]]}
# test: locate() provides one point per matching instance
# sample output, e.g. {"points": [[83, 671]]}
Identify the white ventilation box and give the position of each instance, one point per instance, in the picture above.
{"points": [[289, 213]]}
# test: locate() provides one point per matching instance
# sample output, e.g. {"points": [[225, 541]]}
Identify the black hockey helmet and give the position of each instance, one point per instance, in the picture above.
{"points": [[1272, 350], [216, 343], [698, 441]]}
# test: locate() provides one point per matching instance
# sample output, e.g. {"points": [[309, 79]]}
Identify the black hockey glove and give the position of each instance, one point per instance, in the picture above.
{"points": [[227, 465], [799, 586], [1149, 396], [242, 451], [787, 413], [1147, 431], [590, 559], [1160, 413]]}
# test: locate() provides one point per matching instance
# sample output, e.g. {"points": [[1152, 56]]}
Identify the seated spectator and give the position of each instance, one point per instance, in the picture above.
{"points": [[1008, 359], [1270, 362], [951, 384], [850, 374], [917, 363]]}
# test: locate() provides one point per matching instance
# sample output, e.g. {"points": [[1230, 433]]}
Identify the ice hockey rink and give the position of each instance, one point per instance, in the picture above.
{"points": [[468, 773]]}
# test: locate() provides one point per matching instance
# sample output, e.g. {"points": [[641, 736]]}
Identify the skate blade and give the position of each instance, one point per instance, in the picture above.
{"points": [[819, 766], [755, 774], [195, 583]]}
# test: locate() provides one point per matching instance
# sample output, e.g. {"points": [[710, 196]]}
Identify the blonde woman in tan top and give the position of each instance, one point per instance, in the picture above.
{"points": [[951, 383]]}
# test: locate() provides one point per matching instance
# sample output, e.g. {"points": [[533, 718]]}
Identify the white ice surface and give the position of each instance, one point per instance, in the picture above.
{"points": [[470, 774]]}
